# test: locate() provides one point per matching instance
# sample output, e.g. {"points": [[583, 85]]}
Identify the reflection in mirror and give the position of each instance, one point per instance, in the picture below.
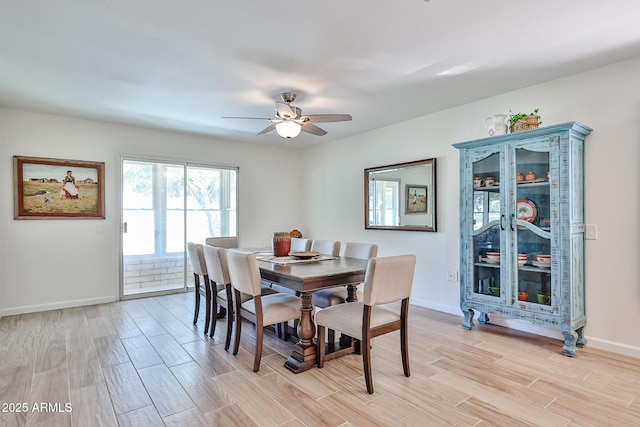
{"points": [[401, 196]]}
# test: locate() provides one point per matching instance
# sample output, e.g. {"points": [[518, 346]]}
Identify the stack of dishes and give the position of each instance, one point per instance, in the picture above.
{"points": [[492, 257], [543, 261], [522, 259]]}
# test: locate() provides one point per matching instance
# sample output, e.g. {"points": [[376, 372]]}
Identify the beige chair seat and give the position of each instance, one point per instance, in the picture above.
{"points": [[276, 308], [347, 318]]}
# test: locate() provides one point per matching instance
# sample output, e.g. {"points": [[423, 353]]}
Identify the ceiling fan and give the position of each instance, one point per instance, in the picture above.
{"points": [[289, 120]]}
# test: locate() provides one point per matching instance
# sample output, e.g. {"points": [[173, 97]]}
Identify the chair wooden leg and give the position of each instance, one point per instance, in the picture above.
{"points": [[278, 328], [321, 350], [331, 338], [196, 310], [207, 295], [404, 341], [285, 327], [366, 361], [238, 323], [214, 308], [259, 336], [230, 321], [366, 348], [230, 317]]}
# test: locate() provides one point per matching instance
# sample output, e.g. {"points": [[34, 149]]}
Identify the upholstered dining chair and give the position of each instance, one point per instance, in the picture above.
{"points": [[261, 310], [216, 261], [387, 280], [327, 297], [226, 243], [300, 245], [326, 247], [198, 265], [222, 242]]}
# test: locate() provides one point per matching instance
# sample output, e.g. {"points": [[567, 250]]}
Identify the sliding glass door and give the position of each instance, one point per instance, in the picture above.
{"points": [[164, 205]]}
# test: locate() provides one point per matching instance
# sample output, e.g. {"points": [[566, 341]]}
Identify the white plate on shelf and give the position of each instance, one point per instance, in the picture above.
{"points": [[491, 261], [542, 264]]}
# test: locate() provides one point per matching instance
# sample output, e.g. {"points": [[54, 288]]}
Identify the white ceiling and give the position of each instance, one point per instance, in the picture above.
{"points": [[183, 65]]}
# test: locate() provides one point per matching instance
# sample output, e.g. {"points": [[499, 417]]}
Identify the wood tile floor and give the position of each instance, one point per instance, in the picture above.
{"points": [[141, 362]]}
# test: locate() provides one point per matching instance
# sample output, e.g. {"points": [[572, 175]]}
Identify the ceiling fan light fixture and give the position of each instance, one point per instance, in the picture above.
{"points": [[288, 129]]}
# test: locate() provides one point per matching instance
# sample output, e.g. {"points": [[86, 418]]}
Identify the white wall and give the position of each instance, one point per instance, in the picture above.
{"points": [[56, 263], [606, 99]]}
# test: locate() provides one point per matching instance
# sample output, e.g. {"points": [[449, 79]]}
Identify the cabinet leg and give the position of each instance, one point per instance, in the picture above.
{"points": [[569, 348], [467, 323], [483, 318], [581, 340]]}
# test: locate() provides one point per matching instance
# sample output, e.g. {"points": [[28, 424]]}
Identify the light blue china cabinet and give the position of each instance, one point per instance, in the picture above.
{"points": [[522, 229]]}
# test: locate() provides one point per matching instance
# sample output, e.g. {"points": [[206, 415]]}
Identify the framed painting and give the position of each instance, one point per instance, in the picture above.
{"points": [[416, 196], [57, 188]]}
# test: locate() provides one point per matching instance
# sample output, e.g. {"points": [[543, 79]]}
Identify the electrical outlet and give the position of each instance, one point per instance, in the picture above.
{"points": [[452, 276], [591, 232]]}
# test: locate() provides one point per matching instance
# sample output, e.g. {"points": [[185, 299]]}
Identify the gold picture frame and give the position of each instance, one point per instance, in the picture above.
{"points": [[57, 188], [416, 197]]}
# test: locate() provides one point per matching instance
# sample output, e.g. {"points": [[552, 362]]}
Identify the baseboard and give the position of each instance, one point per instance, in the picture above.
{"points": [[614, 347], [56, 305], [525, 326]]}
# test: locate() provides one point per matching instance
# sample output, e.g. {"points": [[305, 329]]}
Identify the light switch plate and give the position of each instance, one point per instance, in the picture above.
{"points": [[591, 232]]}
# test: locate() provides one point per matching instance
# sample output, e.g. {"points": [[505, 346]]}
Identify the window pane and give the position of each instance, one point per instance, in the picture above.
{"points": [[203, 188], [136, 185], [232, 192], [494, 202], [202, 224], [173, 176], [139, 238], [175, 231]]}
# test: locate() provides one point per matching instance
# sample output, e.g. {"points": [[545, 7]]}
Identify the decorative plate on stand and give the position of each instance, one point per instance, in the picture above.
{"points": [[526, 210]]}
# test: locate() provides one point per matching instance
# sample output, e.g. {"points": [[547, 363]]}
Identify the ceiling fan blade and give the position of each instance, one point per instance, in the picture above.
{"points": [[325, 118], [285, 111], [250, 118], [313, 129], [267, 129]]}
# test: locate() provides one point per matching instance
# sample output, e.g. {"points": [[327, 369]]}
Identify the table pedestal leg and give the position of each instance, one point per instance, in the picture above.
{"points": [[304, 353]]}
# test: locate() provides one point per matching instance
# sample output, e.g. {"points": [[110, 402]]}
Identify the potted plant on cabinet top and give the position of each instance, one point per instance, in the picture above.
{"points": [[519, 122]]}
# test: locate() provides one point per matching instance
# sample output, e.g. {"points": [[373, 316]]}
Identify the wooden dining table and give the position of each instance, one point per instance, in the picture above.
{"points": [[304, 278]]}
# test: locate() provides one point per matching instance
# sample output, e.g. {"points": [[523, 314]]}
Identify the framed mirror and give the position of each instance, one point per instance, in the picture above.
{"points": [[401, 196]]}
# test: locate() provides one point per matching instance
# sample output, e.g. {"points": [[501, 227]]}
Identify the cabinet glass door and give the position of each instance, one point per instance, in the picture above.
{"points": [[488, 258], [534, 222]]}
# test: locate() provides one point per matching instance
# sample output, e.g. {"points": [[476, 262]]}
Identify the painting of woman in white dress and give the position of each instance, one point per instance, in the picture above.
{"points": [[416, 197], [69, 190], [47, 188]]}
